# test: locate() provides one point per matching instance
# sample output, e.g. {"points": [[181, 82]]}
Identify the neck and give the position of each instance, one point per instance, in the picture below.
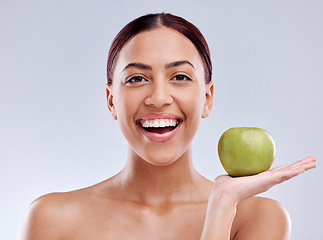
{"points": [[150, 184]]}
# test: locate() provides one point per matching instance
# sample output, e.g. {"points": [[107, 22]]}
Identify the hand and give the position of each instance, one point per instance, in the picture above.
{"points": [[228, 192], [240, 188]]}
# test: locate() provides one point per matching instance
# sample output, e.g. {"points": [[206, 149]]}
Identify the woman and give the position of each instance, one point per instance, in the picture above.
{"points": [[159, 87]]}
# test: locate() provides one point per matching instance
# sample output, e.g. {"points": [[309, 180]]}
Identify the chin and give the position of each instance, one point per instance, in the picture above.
{"points": [[161, 159], [161, 162]]}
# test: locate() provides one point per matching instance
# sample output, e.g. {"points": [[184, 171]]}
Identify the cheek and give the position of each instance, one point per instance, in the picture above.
{"points": [[192, 101], [126, 104], [126, 107]]}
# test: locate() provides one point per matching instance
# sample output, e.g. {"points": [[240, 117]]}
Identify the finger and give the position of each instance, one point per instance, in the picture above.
{"points": [[305, 161], [310, 159], [292, 171], [297, 168], [282, 176], [306, 166]]}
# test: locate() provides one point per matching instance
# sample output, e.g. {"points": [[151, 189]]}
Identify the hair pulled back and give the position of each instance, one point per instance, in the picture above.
{"points": [[151, 21]]}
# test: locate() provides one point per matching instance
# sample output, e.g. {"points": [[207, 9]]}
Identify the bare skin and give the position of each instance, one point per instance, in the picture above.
{"points": [[159, 194], [114, 210]]}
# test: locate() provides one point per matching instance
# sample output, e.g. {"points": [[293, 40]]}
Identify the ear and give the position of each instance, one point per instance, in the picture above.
{"points": [[111, 106], [208, 104]]}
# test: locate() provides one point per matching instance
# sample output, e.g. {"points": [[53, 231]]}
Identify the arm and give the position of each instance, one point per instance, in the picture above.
{"points": [[228, 192], [219, 216]]}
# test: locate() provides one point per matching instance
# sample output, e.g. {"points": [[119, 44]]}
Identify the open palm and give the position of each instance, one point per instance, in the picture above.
{"points": [[240, 188]]}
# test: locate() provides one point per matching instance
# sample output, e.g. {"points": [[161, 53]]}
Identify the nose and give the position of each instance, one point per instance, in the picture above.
{"points": [[160, 95]]}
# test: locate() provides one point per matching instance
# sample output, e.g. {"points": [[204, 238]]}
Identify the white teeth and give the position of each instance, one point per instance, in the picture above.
{"points": [[159, 123], [156, 123], [145, 124], [162, 123]]}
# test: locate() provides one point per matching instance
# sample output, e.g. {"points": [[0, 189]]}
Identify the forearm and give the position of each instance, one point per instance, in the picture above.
{"points": [[219, 217]]}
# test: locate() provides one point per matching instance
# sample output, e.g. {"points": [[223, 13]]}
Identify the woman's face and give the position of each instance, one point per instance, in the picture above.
{"points": [[159, 94]]}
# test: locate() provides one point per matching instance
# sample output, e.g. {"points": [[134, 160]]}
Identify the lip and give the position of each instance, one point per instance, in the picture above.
{"points": [[156, 137]]}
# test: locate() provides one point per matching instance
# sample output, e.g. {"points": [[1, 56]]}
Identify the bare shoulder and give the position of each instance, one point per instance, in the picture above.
{"points": [[49, 216], [70, 215], [261, 218]]}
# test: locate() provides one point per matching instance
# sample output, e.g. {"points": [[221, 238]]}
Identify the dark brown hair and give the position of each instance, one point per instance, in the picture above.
{"points": [[151, 21]]}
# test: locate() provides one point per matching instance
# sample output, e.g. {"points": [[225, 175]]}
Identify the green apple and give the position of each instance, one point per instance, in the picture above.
{"points": [[245, 151]]}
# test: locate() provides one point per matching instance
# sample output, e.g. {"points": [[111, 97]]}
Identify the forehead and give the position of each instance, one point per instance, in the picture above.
{"points": [[158, 47]]}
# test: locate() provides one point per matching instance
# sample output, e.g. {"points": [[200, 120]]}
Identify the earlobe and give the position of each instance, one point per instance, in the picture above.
{"points": [[208, 104], [111, 106]]}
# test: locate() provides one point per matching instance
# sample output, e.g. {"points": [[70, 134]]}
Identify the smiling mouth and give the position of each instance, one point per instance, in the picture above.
{"points": [[159, 126]]}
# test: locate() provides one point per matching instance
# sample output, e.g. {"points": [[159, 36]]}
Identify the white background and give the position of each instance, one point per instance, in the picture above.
{"points": [[57, 135]]}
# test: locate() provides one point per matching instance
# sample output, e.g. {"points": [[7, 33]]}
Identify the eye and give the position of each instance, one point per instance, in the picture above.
{"points": [[181, 78], [136, 79]]}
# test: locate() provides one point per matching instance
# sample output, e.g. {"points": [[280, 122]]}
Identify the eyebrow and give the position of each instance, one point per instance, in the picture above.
{"points": [[178, 63], [138, 65], [167, 66]]}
